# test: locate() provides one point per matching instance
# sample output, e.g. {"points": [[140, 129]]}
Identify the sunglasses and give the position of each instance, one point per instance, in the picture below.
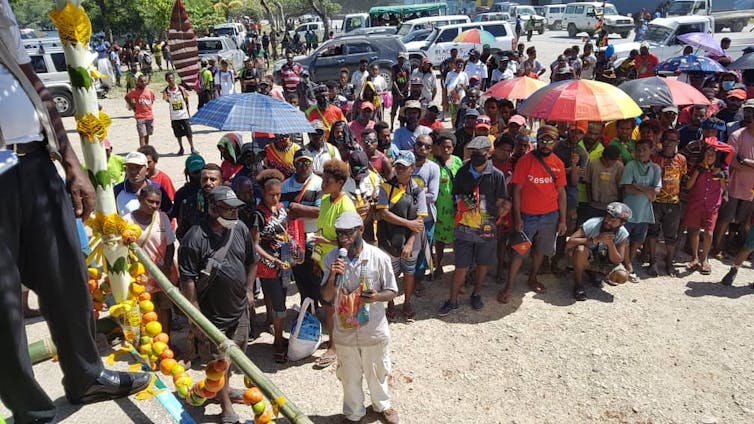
{"points": [[346, 233], [370, 140], [303, 162], [423, 145], [546, 140]]}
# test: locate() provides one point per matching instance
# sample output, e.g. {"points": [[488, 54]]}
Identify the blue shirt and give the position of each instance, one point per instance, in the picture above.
{"points": [[646, 174], [592, 229], [404, 139]]}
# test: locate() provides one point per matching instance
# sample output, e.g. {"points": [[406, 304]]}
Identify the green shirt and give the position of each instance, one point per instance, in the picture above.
{"points": [[594, 154], [626, 149]]}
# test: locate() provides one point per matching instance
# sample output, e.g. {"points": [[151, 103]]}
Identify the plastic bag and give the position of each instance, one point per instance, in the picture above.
{"points": [[306, 333]]}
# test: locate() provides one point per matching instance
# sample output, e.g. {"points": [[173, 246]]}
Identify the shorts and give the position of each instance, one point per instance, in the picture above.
{"points": [[736, 210], [145, 127], [749, 243], [405, 265], [601, 263], [700, 217], [181, 128], [468, 253], [542, 231], [667, 221], [238, 332], [637, 231], [274, 291]]}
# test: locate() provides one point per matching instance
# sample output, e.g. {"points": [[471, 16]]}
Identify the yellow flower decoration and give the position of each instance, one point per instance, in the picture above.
{"points": [[95, 222], [91, 127], [105, 120], [130, 234], [73, 24], [94, 73]]}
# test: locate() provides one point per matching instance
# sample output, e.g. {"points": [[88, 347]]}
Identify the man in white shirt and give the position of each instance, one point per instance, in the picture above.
{"points": [[359, 77], [588, 62], [429, 82], [456, 83], [503, 71], [475, 67]]}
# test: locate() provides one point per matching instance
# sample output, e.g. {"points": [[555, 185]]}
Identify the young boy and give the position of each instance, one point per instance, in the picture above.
{"points": [[641, 181]]}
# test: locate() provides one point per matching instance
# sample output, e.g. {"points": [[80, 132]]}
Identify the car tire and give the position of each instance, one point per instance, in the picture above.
{"points": [[63, 102], [557, 26], [387, 73], [624, 34], [572, 30]]}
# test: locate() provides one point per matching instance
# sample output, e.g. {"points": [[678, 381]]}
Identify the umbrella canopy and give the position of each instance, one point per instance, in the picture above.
{"points": [[702, 40], [252, 112], [689, 63], [477, 36], [515, 88], [656, 91], [742, 63], [580, 100]]}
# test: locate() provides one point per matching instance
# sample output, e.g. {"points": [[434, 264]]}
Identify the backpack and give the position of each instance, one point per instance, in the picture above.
{"points": [[147, 58], [391, 237]]}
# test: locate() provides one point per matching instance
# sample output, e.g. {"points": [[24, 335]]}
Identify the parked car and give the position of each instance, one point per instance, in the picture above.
{"points": [[554, 15], [415, 40], [526, 13], [318, 27], [491, 16], [583, 16], [235, 30], [48, 61], [430, 22], [440, 42], [324, 64], [212, 47], [387, 30]]}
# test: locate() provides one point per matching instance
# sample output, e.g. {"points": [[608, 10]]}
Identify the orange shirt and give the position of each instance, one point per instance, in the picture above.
{"points": [[539, 193]]}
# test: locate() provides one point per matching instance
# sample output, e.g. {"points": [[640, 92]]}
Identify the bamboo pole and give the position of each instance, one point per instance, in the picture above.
{"points": [[288, 408]]}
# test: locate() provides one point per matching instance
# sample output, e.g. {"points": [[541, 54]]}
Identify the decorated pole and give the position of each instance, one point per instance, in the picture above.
{"points": [[75, 30], [278, 400]]}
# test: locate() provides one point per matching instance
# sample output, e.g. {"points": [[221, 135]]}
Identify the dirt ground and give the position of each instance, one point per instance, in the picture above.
{"points": [[666, 350]]}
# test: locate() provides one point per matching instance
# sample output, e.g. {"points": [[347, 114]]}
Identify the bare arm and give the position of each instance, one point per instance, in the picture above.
{"points": [[386, 215]]}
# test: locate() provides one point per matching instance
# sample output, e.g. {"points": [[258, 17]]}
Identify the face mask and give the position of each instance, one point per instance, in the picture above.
{"points": [[728, 85], [227, 223], [478, 159]]}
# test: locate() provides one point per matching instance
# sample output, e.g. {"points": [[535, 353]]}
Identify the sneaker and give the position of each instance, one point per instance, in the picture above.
{"points": [[476, 301], [579, 293], [447, 308], [729, 277]]}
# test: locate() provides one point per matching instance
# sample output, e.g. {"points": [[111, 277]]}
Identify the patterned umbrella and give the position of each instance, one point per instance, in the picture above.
{"points": [[703, 40], [515, 88], [656, 91], [477, 36], [689, 63], [252, 112], [580, 100]]}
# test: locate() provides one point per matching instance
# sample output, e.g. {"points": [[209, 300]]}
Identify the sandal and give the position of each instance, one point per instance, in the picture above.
{"points": [[504, 296], [671, 271], [705, 269], [391, 313], [537, 287], [692, 266], [408, 314], [325, 360], [632, 277]]}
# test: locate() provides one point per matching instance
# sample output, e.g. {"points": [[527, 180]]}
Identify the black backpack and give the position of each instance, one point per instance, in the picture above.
{"points": [[391, 237]]}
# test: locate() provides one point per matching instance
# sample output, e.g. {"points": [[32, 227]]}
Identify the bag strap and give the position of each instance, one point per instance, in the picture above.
{"points": [[303, 191], [148, 231], [220, 254], [546, 167], [308, 303]]}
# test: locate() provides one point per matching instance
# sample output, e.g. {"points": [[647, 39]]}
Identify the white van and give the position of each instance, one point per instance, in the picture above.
{"points": [[235, 30], [440, 42], [583, 16], [431, 22], [554, 14]]}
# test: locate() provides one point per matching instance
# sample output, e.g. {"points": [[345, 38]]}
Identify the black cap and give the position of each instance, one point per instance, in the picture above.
{"points": [[302, 154], [359, 163], [226, 195]]}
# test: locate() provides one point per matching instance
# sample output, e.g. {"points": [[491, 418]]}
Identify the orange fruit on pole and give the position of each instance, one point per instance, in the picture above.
{"points": [[263, 418], [148, 317], [167, 354], [166, 365], [252, 395], [214, 385], [162, 337], [219, 364], [145, 296]]}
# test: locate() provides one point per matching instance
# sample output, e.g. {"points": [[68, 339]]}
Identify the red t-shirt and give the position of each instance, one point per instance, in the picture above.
{"points": [[165, 182], [431, 124], [645, 65], [539, 194], [143, 98]]}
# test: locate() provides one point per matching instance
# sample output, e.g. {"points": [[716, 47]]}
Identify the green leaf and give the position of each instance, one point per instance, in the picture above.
{"points": [[92, 178], [80, 77], [120, 265], [103, 178]]}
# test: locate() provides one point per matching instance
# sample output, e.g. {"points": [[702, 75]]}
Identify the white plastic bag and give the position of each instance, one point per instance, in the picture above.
{"points": [[306, 333]]}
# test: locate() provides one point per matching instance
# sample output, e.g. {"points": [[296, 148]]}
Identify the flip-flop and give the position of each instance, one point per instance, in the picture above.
{"points": [[504, 297], [537, 287], [705, 269], [408, 314], [692, 266], [325, 360]]}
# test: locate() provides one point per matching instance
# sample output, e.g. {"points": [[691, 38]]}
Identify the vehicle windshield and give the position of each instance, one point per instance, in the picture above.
{"points": [[657, 34], [432, 36], [680, 8], [209, 45], [404, 29], [525, 10], [609, 10], [416, 35], [219, 32]]}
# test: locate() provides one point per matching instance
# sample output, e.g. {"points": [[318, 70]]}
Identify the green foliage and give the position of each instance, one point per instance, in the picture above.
{"points": [[120, 266], [32, 14], [103, 179]]}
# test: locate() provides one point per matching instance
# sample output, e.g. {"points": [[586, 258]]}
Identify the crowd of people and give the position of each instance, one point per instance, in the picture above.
{"points": [[461, 171]]}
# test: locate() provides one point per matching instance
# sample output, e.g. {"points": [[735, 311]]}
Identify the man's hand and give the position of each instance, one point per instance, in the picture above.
{"points": [[562, 228], [504, 209], [369, 296], [81, 189], [406, 251], [417, 225], [338, 267], [518, 224], [363, 210], [575, 159], [604, 238]]}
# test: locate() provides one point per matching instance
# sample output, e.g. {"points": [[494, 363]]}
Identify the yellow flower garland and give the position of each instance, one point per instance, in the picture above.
{"points": [[73, 24]]}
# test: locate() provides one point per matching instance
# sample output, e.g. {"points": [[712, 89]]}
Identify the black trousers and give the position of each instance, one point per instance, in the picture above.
{"points": [[39, 246]]}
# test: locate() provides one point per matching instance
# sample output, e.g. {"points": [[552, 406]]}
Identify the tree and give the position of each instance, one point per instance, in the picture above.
{"points": [[323, 9], [228, 8], [32, 14]]}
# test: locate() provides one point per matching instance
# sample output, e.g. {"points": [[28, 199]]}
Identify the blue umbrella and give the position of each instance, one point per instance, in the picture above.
{"points": [[252, 112], [689, 63]]}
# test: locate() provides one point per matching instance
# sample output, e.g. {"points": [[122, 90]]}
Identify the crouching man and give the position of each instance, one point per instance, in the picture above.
{"points": [[359, 285], [599, 246]]}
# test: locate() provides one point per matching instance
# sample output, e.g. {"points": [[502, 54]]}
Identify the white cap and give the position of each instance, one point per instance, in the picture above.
{"points": [[136, 158]]}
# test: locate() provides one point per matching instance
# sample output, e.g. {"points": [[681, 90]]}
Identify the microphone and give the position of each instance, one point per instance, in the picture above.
{"points": [[342, 255]]}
